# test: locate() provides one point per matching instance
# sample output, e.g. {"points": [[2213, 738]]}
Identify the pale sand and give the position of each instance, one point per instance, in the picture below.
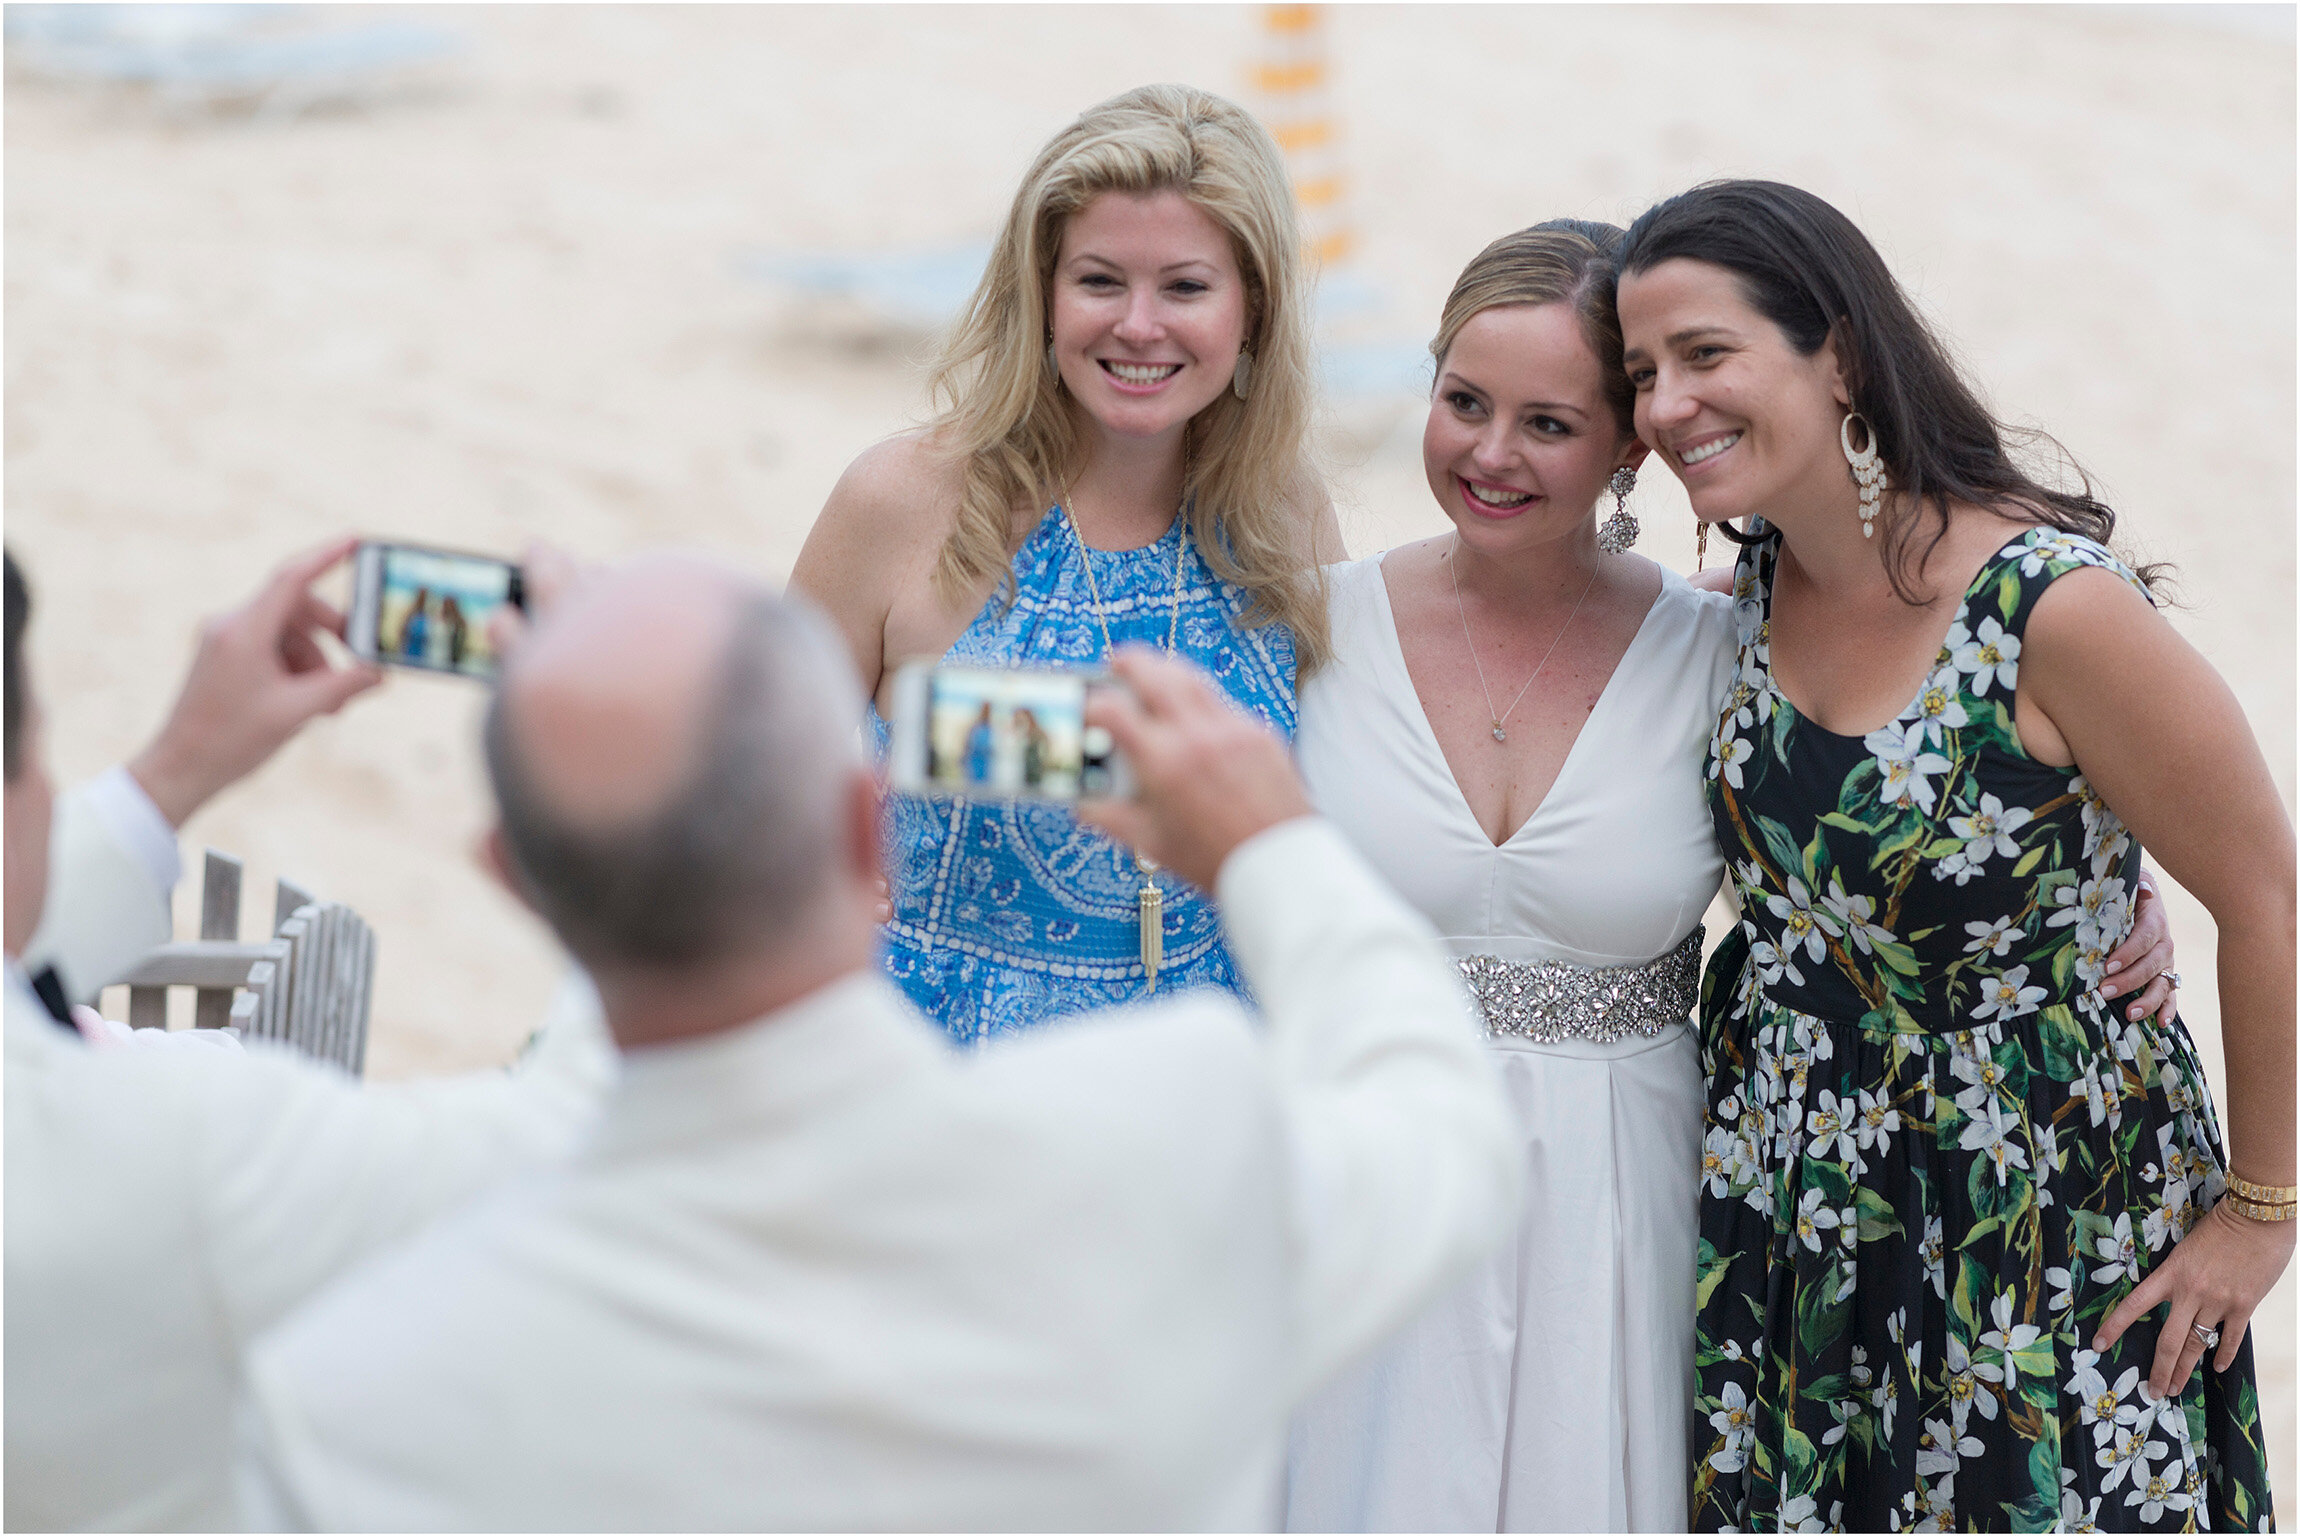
{"points": [[502, 303]]}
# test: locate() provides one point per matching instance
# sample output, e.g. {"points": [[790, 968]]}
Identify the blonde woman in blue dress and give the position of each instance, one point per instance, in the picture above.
{"points": [[1513, 730], [1121, 456]]}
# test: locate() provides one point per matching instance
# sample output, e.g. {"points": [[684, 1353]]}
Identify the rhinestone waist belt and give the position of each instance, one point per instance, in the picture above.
{"points": [[1559, 1001]]}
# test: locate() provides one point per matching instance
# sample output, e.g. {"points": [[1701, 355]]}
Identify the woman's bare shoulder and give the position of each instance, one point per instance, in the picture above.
{"points": [[904, 487]]}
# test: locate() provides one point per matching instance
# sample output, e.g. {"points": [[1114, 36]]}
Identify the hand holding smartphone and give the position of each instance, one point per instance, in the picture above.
{"points": [[1000, 734], [414, 606]]}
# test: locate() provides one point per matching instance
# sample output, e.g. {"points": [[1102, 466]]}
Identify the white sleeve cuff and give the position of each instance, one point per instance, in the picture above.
{"points": [[137, 825]]}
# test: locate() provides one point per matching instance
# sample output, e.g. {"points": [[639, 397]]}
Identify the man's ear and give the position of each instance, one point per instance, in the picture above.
{"points": [[495, 859]]}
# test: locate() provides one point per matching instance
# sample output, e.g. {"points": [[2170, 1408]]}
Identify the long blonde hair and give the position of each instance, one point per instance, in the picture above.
{"points": [[1248, 479]]}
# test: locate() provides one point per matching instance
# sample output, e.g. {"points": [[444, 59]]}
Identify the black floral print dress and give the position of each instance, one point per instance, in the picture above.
{"points": [[1935, 1158]]}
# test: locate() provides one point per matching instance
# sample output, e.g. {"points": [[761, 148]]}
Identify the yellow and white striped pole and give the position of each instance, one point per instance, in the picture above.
{"points": [[1290, 80]]}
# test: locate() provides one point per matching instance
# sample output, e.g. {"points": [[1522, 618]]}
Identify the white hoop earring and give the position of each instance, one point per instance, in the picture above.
{"points": [[1243, 375], [1619, 532], [1868, 471]]}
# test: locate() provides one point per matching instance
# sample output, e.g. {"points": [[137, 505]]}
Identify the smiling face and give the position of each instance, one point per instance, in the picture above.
{"points": [[1745, 421], [1520, 441], [1149, 311]]}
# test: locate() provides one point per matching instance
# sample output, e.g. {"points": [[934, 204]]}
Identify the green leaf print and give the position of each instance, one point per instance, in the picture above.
{"points": [[1819, 1319], [1714, 1267], [1878, 1219], [1779, 846], [1847, 824], [1899, 957], [2028, 861], [2008, 594]]}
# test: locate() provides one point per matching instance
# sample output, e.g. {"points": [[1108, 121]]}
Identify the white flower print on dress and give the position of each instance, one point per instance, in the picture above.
{"points": [[2158, 1495], [2053, 546], [2008, 997], [1935, 1253], [2096, 1401], [1802, 924], [2119, 1250], [2007, 1340], [1988, 653], [1967, 1391], [1904, 766], [1853, 914], [1938, 705], [1989, 829], [2128, 1454], [1939, 1447], [1829, 1129], [1874, 1121], [1993, 937], [1726, 755], [1735, 1421], [1814, 1219]]}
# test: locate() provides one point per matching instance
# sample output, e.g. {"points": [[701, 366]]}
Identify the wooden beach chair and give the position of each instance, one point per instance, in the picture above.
{"points": [[308, 986]]}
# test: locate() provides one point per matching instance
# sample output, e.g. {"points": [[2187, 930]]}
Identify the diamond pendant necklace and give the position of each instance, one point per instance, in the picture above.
{"points": [[1150, 901], [1453, 565]]}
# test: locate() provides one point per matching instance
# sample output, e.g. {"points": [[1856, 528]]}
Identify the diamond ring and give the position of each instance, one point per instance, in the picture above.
{"points": [[2210, 1337], [2172, 980]]}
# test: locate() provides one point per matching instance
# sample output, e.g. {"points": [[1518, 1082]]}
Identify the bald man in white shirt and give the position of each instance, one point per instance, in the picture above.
{"points": [[165, 1205], [815, 1269]]}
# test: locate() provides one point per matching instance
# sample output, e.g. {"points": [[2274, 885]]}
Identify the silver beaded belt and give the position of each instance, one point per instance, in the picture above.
{"points": [[1558, 1001]]}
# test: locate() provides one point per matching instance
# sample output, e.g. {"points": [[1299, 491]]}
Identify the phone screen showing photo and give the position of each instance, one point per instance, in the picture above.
{"points": [[432, 609], [994, 733]]}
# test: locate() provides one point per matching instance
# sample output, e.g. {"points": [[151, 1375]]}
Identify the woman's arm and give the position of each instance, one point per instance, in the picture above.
{"points": [[2157, 732], [883, 520]]}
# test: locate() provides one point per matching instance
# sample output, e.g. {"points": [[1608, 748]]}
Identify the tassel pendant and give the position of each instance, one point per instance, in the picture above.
{"points": [[1153, 929]]}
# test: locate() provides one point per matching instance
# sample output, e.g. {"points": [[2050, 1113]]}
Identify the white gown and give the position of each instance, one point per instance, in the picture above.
{"points": [[1551, 1391]]}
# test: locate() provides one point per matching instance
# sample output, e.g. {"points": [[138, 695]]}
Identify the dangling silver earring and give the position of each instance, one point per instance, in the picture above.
{"points": [[1243, 375], [1868, 471], [1053, 369], [1619, 532]]}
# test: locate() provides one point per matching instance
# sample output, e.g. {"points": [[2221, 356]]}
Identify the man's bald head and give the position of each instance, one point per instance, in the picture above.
{"points": [[670, 750]]}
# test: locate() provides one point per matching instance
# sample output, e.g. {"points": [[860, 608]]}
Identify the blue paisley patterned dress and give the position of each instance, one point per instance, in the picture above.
{"points": [[1935, 1158], [1008, 913]]}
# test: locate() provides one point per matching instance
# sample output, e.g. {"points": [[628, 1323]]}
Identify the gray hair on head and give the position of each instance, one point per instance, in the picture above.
{"points": [[737, 855]]}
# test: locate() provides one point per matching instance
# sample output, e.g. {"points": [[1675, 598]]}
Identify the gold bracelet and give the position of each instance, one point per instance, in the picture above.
{"points": [[2259, 1213], [2270, 1195]]}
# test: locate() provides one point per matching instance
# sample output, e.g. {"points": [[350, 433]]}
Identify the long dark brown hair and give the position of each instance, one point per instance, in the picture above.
{"points": [[1808, 269]]}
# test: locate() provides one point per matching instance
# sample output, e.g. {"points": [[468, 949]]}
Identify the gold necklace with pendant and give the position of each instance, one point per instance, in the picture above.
{"points": [[1453, 561], [1150, 900]]}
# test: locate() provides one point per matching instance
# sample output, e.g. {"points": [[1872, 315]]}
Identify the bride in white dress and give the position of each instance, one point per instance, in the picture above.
{"points": [[1513, 730]]}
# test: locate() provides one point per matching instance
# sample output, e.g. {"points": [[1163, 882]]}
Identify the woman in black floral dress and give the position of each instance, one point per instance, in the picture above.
{"points": [[1966, 1233]]}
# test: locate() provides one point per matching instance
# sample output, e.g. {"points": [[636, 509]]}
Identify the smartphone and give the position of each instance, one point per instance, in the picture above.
{"points": [[414, 606], [993, 733]]}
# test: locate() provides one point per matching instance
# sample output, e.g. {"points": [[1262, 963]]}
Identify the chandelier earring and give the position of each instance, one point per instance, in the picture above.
{"points": [[1242, 377], [1868, 469], [1619, 532]]}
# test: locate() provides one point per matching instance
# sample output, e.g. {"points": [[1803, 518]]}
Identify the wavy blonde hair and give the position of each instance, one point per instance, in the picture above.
{"points": [[1249, 479]]}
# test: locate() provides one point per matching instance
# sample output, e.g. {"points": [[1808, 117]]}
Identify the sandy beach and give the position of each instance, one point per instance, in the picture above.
{"points": [[515, 293]]}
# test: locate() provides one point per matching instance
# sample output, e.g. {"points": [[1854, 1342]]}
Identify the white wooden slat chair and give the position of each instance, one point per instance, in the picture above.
{"points": [[308, 986]]}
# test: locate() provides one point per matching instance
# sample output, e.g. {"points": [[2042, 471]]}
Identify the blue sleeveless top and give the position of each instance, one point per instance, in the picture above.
{"points": [[1007, 913]]}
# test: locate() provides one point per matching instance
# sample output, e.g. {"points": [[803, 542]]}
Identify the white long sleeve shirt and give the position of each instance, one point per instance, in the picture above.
{"points": [[163, 1207], [822, 1272]]}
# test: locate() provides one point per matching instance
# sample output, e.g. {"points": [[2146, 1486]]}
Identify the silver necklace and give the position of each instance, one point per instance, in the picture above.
{"points": [[1149, 900], [1453, 565]]}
